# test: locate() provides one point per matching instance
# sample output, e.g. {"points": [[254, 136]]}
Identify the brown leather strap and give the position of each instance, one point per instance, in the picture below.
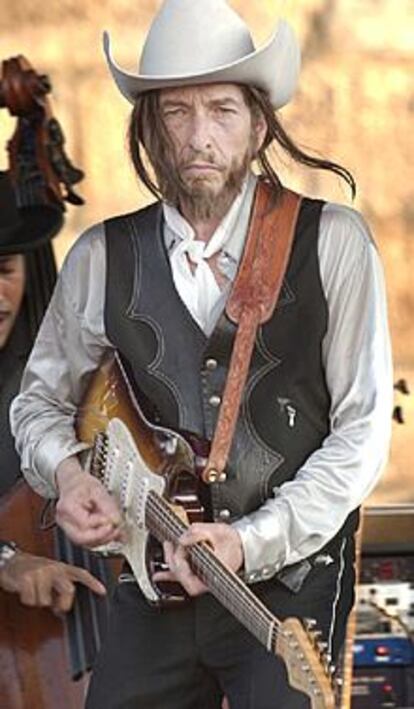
{"points": [[252, 302]]}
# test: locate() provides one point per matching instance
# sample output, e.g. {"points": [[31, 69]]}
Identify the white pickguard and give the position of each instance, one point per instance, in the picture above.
{"points": [[128, 478]]}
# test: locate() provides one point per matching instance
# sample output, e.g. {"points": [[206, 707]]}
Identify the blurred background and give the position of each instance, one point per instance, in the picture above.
{"points": [[355, 105]]}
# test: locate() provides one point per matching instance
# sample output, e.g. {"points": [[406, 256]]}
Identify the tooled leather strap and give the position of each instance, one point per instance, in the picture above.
{"points": [[251, 303]]}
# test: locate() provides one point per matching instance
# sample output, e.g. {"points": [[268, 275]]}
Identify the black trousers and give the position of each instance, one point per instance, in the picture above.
{"points": [[189, 657]]}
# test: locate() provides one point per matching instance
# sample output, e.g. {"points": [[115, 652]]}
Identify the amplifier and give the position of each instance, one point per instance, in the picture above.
{"points": [[373, 688], [383, 649]]}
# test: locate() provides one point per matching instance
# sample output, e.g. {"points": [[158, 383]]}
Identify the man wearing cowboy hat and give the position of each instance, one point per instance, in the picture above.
{"points": [[314, 425], [26, 263]]}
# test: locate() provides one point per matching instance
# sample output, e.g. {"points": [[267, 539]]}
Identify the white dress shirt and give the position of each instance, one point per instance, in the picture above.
{"points": [[304, 513]]}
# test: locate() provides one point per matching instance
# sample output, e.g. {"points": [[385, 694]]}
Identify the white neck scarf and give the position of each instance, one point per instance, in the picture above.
{"points": [[198, 287]]}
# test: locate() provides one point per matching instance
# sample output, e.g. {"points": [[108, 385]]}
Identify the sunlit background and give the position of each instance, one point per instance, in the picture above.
{"points": [[355, 104]]}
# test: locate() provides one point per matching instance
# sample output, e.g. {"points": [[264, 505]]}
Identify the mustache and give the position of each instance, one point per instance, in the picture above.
{"points": [[206, 158]]}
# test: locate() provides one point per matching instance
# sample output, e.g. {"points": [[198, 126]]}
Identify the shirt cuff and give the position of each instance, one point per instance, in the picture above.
{"points": [[52, 451], [263, 544]]}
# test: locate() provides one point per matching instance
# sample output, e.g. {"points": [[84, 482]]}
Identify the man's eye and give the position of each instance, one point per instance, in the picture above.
{"points": [[174, 112], [225, 110]]}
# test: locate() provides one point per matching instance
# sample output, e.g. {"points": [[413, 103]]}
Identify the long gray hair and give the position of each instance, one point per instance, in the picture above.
{"points": [[147, 134]]}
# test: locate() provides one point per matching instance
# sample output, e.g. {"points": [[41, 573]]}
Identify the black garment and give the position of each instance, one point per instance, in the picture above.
{"points": [[12, 361], [187, 658], [40, 279]]}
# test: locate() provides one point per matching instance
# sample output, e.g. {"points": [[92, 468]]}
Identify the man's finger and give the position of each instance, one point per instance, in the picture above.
{"points": [[188, 581], [83, 576], [44, 591], [168, 553], [198, 533], [85, 516], [106, 504], [90, 537], [27, 593], [164, 576], [180, 557], [64, 594]]}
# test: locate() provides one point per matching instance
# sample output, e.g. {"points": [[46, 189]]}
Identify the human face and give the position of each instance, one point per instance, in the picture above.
{"points": [[12, 282], [212, 134]]}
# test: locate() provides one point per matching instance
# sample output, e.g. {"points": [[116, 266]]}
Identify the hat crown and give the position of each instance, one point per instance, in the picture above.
{"points": [[194, 42], [194, 36]]}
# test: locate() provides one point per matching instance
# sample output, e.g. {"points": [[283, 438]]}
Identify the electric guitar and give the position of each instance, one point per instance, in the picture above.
{"points": [[154, 474]]}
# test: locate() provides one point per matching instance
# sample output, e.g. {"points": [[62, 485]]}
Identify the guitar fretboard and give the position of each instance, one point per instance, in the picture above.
{"points": [[225, 585]]}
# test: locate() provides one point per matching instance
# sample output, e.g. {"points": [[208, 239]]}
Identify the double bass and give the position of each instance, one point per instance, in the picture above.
{"points": [[44, 659]]}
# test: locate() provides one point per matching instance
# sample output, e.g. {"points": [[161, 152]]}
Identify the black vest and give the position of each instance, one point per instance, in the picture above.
{"points": [[285, 408]]}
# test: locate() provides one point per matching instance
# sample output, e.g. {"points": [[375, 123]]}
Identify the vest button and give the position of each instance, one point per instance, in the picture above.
{"points": [[211, 364], [215, 400], [224, 514]]}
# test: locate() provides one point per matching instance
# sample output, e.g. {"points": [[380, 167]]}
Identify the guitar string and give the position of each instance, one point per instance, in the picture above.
{"points": [[282, 642], [231, 585], [264, 625], [175, 527], [280, 639], [203, 557]]}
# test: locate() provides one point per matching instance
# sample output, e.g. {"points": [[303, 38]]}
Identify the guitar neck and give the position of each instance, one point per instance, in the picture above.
{"points": [[225, 585]]}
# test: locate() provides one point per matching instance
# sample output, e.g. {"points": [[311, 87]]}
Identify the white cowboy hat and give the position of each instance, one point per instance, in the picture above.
{"points": [[205, 41]]}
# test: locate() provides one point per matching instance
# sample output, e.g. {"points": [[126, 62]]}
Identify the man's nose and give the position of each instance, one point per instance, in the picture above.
{"points": [[200, 132]]}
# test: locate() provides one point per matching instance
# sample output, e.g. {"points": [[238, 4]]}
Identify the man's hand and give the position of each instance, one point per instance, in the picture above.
{"points": [[224, 540], [45, 582], [85, 510]]}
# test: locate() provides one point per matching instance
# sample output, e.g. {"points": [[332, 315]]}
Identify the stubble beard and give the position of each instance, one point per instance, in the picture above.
{"points": [[197, 197]]}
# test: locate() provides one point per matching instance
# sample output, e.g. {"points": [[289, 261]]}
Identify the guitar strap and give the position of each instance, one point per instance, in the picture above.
{"points": [[252, 301]]}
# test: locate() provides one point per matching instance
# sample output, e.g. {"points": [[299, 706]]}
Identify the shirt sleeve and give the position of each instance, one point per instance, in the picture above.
{"points": [[307, 512], [69, 346]]}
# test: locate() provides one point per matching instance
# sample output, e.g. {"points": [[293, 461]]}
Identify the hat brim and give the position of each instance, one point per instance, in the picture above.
{"points": [[274, 68], [39, 224]]}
